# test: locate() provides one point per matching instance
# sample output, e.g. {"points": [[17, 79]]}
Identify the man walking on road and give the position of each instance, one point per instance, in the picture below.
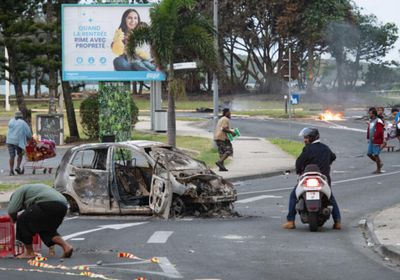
{"points": [[18, 134], [375, 136], [44, 209], [221, 138]]}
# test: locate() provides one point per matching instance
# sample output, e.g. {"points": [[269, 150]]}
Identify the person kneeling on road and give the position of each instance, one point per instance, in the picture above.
{"points": [[44, 209], [314, 152]]}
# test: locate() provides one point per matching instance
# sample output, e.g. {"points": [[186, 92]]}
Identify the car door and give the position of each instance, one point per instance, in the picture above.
{"points": [[161, 190], [88, 178]]}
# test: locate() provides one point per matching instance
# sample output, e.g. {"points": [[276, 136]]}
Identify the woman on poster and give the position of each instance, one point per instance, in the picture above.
{"points": [[141, 61]]}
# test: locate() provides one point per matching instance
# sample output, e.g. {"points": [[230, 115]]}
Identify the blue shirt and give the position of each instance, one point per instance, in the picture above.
{"points": [[396, 118], [18, 133]]}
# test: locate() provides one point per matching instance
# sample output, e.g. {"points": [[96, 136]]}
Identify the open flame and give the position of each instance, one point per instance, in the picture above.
{"points": [[329, 116]]}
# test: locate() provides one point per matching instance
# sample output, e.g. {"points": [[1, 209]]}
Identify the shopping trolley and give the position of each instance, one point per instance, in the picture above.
{"points": [[9, 246], [36, 154]]}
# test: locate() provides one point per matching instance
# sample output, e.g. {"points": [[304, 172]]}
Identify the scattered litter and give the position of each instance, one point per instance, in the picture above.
{"points": [[191, 251], [81, 267], [370, 244], [126, 255], [155, 260], [40, 264], [40, 259], [99, 262], [362, 222], [386, 259]]}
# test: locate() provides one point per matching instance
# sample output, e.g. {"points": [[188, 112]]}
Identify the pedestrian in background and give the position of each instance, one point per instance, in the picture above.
{"points": [[381, 115], [396, 123], [224, 145], [43, 210], [375, 136], [18, 134]]}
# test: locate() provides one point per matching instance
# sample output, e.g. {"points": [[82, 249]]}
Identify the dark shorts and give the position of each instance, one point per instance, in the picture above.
{"points": [[14, 149], [224, 147], [397, 132], [43, 218]]}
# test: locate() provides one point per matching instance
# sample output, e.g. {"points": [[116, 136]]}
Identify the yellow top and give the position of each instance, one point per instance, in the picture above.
{"points": [[219, 133], [118, 46]]}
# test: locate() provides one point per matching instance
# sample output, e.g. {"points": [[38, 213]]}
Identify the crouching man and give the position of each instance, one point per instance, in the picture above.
{"points": [[43, 210]]}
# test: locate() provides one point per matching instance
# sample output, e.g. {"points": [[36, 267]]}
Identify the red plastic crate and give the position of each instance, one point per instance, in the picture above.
{"points": [[8, 245]]}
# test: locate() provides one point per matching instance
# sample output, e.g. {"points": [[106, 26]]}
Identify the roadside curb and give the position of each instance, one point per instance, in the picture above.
{"points": [[258, 176], [387, 251]]}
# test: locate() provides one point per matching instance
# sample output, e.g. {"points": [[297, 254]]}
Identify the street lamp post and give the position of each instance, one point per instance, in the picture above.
{"points": [[215, 78]]}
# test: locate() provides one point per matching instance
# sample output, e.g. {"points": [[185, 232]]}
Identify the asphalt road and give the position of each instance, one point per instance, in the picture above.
{"points": [[253, 246]]}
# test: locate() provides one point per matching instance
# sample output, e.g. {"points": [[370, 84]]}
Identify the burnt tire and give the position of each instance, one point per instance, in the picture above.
{"points": [[313, 221], [178, 207]]}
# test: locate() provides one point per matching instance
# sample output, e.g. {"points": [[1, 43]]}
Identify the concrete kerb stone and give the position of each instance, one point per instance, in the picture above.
{"points": [[387, 251]]}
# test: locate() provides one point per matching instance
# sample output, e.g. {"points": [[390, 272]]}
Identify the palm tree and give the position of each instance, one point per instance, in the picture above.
{"points": [[176, 33]]}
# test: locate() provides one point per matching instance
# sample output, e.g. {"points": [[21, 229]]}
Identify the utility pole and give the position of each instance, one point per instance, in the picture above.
{"points": [[215, 78]]}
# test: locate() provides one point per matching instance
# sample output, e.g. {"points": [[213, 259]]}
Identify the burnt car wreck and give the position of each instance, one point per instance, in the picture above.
{"points": [[141, 177]]}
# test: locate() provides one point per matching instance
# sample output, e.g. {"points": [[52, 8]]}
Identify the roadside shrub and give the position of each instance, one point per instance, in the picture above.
{"points": [[89, 111]]}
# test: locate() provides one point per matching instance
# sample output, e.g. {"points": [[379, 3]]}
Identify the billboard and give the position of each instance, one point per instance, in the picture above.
{"points": [[93, 44]]}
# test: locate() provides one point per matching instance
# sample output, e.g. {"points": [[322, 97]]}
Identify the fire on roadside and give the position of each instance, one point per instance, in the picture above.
{"points": [[330, 116]]}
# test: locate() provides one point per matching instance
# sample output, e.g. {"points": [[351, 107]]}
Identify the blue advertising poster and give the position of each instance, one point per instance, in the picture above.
{"points": [[93, 44]]}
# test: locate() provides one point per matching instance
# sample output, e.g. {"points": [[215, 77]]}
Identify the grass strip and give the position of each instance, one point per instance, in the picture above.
{"points": [[293, 148]]}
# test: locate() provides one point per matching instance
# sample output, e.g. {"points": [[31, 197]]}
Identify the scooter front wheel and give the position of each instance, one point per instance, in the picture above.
{"points": [[313, 221]]}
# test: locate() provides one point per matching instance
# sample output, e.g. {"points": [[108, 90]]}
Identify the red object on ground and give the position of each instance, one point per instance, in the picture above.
{"points": [[40, 150], [8, 246]]}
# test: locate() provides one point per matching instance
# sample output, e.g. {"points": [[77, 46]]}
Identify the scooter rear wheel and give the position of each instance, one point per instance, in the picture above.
{"points": [[313, 221]]}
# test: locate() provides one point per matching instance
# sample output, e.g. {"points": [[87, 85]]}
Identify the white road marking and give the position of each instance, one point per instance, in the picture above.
{"points": [[186, 219], [366, 177], [168, 268], [334, 183], [115, 227], [78, 239], [71, 218], [160, 237], [265, 191], [252, 199]]}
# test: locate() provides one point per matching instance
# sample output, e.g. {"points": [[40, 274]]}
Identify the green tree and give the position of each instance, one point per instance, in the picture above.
{"points": [[380, 76], [375, 41], [176, 32], [16, 19]]}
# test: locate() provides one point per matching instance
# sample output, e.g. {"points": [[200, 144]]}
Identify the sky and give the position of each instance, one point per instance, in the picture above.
{"points": [[386, 11]]}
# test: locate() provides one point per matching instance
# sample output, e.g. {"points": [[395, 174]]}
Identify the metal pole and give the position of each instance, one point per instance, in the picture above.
{"points": [[215, 78], [7, 84], [290, 93]]}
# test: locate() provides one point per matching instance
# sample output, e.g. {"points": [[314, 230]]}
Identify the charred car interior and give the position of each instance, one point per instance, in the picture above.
{"points": [[141, 177]]}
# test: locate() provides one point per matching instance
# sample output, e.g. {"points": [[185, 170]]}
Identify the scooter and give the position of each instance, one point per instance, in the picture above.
{"points": [[313, 198]]}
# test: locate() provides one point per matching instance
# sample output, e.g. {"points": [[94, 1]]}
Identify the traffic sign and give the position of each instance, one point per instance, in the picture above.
{"points": [[294, 99]]}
